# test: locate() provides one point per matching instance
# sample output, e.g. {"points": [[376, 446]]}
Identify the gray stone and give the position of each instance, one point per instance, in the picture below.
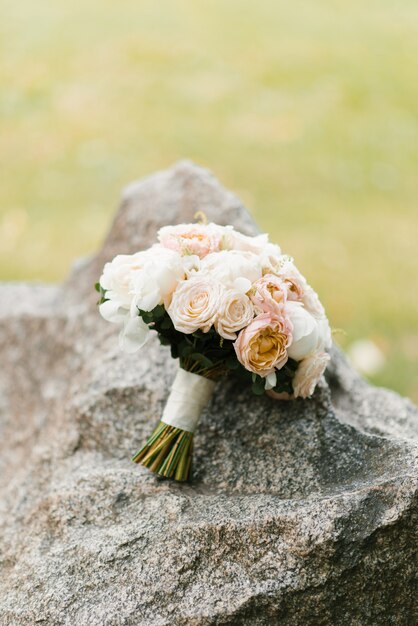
{"points": [[299, 513]]}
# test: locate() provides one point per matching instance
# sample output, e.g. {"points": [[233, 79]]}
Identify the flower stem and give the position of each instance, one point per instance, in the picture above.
{"points": [[168, 452]]}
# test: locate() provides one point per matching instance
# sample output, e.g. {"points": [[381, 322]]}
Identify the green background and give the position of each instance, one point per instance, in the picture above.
{"points": [[307, 110]]}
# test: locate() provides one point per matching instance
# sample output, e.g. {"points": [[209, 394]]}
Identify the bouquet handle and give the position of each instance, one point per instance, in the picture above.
{"points": [[168, 452]]}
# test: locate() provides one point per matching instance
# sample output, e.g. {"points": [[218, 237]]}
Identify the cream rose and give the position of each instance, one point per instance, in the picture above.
{"points": [[308, 374], [235, 312], [195, 304], [268, 294], [262, 345], [186, 239]]}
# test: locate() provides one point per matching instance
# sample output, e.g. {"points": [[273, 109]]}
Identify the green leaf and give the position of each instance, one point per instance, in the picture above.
{"points": [[98, 287], [166, 324], [147, 316], [257, 390], [202, 359], [232, 363], [158, 312], [185, 350], [199, 334], [242, 374], [258, 385], [283, 385], [288, 371]]}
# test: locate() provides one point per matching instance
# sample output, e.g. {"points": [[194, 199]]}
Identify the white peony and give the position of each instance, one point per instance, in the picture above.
{"points": [[195, 304], [113, 311], [160, 273], [308, 374], [235, 312], [310, 333], [305, 331], [312, 303], [116, 279], [234, 269], [134, 334], [139, 281], [324, 334], [234, 240]]}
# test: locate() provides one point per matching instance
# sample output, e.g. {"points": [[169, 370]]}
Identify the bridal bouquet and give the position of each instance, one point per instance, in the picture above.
{"points": [[228, 305]]}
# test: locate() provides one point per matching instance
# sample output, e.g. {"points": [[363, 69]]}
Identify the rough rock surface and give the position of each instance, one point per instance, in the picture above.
{"points": [[300, 513]]}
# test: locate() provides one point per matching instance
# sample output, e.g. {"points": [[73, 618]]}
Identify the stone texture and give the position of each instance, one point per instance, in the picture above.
{"points": [[300, 513]]}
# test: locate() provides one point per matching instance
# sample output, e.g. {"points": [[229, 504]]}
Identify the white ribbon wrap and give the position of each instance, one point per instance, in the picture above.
{"points": [[188, 397]]}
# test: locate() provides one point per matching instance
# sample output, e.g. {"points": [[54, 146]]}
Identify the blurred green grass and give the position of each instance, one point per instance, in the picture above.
{"points": [[306, 110]]}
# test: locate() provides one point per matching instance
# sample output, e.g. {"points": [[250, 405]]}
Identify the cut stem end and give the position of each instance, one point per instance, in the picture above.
{"points": [[168, 452]]}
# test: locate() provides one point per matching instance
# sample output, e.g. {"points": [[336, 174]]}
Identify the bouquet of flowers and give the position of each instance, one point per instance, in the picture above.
{"points": [[227, 305]]}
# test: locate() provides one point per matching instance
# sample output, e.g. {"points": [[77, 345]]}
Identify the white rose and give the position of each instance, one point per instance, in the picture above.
{"points": [[308, 374], [305, 331], [133, 335], [195, 304], [235, 312], [234, 269]]}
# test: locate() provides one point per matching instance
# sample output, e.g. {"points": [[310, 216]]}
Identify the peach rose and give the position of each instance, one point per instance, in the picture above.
{"points": [[187, 239], [195, 305], [295, 281], [298, 288], [235, 312], [309, 373], [269, 294], [262, 345]]}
